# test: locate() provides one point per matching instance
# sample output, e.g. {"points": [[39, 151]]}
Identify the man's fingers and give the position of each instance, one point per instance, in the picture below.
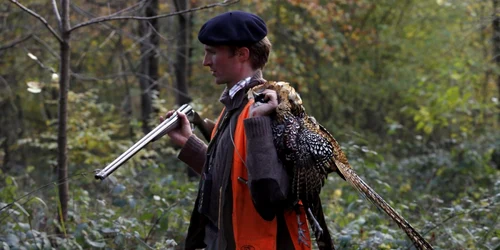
{"points": [[167, 115], [183, 118], [181, 115], [270, 96], [266, 95]]}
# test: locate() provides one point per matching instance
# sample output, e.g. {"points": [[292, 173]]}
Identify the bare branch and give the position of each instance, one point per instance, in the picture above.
{"points": [[121, 31], [131, 8], [37, 60], [113, 17], [58, 16], [55, 182], [151, 230], [83, 77], [159, 35], [44, 44], [39, 18], [107, 39], [491, 202], [15, 42]]}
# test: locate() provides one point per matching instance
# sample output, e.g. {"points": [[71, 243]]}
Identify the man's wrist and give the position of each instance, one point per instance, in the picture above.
{"points": [[257, 126]]}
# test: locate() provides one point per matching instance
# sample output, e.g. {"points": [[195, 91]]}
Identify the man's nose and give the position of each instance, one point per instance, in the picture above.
{"points": [[206, 62]]}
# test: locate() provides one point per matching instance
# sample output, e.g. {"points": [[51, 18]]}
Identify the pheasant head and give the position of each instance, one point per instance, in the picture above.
{"points": [[289, 100]]}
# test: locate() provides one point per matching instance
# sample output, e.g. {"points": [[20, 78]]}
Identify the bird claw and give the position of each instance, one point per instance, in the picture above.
{"points": [[302, 235], [318, 231]]}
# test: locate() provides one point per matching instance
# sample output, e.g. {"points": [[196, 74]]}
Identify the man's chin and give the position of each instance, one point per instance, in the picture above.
{"points": [[219, 82]]}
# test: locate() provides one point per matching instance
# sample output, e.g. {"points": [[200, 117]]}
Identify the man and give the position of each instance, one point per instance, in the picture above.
{"points": [[243, 186]]}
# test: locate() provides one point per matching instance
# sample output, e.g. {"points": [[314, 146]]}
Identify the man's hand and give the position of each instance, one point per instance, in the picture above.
{"points": [[181, 134], [267, 107]]}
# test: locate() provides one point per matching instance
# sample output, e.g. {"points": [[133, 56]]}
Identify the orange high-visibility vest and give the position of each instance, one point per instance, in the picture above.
{"points": [[250, 230]]}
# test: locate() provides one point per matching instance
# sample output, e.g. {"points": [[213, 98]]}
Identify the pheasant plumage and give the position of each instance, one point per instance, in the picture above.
{"points": [[309, 153]]}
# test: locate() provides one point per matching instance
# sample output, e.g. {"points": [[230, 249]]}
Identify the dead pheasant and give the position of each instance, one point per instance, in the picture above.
{"points": [[309, 153]]}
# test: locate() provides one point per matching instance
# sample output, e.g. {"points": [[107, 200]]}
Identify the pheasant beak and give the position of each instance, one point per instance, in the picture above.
{"points": [[260, 97], [256, 96]]}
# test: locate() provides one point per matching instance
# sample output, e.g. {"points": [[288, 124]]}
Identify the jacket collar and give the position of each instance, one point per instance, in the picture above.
{"points": [[241, 96]]}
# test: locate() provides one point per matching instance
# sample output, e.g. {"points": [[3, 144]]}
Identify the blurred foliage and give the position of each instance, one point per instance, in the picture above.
{"points": [[407, 87]]}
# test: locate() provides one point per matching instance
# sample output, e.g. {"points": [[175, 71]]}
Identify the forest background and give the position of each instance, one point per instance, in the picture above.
{"points": [[409, 88]]}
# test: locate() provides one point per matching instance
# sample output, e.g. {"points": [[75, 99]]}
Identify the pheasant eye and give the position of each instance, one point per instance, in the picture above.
{"points": [[260, 98]]}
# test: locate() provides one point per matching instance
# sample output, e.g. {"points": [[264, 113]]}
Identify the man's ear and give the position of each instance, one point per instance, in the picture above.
{"points": [[243, 54]]}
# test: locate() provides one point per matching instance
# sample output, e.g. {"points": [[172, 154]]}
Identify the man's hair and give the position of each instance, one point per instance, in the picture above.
{"points": [[259, 52]]}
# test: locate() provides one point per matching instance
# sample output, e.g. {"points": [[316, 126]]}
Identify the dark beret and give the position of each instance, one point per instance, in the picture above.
{"points": [[233, 28]]}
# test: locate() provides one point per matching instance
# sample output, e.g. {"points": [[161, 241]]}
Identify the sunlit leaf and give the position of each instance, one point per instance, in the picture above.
{"points": [[107, 230], [32, 56], [55, 77], [34, 90], [34, 87], [93, 243], [33, 84], [5, 246], [22, 209]]}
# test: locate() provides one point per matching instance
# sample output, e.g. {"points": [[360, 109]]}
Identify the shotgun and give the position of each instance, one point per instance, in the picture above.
{"points": [[166, 126]]}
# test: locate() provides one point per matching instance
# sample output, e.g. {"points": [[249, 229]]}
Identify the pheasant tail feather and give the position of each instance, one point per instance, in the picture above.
{"points": [[351, 177]]}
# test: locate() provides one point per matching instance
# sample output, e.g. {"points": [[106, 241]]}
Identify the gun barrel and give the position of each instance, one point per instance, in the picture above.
{"points": [[164, 127]]}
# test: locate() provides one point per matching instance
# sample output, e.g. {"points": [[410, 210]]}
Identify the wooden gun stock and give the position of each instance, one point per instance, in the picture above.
{"points": [[205, 126]]}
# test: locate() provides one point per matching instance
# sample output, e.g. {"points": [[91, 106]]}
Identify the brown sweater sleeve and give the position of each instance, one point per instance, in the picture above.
{"points": [[267, 178], [194, 153]]}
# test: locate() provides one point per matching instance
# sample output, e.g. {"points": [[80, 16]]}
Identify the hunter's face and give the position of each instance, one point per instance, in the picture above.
{"points": [[223, 64]]}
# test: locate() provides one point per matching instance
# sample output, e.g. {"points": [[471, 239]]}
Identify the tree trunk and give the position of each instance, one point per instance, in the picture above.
{"points": [[62, 160], [149, 63], [11, 129], [496, 41], [182, 66]]}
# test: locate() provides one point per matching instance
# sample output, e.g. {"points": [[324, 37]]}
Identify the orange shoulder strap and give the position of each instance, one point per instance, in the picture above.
{"points": [[251, 231], [217, 122]]}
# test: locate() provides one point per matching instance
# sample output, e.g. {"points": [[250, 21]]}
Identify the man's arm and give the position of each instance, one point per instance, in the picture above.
{"points": [[193, 150], [193, 153], [267, 178]]}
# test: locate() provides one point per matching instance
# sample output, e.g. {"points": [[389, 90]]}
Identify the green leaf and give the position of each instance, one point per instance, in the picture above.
{"points": [[164, 222], [119, 202], [22, 209], [456, 76], [41, 201], [9, 181], [146, 216], [119, 239]]}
